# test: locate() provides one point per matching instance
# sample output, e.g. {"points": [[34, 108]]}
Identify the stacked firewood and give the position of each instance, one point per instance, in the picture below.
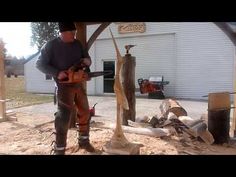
{"points": [[173, 115]]}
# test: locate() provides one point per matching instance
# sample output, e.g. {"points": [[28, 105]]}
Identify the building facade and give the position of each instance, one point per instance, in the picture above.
{"points": [[196, 58]]}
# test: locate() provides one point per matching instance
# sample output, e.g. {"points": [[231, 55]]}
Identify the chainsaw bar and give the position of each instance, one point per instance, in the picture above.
{"points": [[99, 73]]}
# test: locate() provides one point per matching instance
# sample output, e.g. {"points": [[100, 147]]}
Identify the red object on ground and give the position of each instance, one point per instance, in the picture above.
{"points": [[92, 110]]}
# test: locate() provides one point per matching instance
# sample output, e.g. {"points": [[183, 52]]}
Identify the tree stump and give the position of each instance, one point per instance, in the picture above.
{"points": [[219, 100], [219, 116], [128, 73]]}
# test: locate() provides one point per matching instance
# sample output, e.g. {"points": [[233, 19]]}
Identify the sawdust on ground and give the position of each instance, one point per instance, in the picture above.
{"points": [[18, 139]]}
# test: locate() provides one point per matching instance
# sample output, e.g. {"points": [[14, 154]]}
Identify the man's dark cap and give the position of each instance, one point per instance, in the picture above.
{"points": [[66, 26]]}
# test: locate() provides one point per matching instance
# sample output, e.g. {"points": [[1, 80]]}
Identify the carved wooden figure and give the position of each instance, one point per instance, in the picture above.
{"points": [[118, 143]]}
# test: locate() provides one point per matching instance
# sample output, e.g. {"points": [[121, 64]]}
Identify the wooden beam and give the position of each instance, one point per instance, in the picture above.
{"points": [[233, 126], [81, 34], [2, 85], [227, 30], [93, 23], [98, 31]]}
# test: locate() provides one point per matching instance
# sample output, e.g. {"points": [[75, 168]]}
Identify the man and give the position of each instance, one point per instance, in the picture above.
{"points": [[57, 56]]}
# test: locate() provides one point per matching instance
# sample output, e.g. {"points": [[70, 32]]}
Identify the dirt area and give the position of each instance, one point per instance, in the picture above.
{"points": [[21, 139], [32, 132]]}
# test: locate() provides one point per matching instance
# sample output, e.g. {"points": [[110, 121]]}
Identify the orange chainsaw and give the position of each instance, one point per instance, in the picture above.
{"points": [[146, 86], [82, 74]]}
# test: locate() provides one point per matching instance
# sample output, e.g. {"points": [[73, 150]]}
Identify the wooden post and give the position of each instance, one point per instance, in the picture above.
{"points": [[219, 100], [2, 86], [98, 31], [128, 73], [219, 116], [81, 35], [233, 126]]}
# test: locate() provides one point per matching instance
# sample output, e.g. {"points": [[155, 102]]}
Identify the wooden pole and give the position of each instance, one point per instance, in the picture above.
{"points": [[233, 126], [98, 31], [81, 35], [227, 30], [2, 86], [128, 73]]}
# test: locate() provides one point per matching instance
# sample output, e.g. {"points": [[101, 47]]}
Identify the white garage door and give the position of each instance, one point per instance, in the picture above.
{"points": [[155, 56]]}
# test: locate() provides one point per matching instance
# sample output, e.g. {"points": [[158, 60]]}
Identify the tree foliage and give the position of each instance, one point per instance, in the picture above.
{"points": [[4, 49], [43, 32]]}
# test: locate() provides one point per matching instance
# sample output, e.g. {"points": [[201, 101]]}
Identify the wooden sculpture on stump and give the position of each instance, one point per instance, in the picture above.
{"points": [[118, 143]]}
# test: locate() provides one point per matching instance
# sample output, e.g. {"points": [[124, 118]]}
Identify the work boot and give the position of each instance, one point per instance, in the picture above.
{"points": [[87, 146], [58, 145], [57, 150], [84, 143]]}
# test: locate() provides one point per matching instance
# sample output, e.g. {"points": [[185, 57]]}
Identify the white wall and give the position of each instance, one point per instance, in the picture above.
{"points": [[200, 58], [205, 60], [204, 56], [35, 80], [154, 57]]}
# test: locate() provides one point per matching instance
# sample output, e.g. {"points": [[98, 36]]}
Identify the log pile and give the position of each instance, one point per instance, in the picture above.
{"points": [[173, 115]]}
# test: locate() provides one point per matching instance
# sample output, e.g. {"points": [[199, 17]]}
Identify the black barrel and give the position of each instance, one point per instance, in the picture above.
{"points": [[219, 124]]}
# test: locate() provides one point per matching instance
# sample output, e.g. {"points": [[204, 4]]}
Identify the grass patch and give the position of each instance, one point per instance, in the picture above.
{"points": [[15, 90]]}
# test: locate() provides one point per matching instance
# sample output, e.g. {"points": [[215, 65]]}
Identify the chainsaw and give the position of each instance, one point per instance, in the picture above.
{"points": [[78, 75], [146, 86]]}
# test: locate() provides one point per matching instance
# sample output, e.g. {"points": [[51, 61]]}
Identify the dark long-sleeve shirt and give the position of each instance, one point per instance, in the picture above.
{"points": [[57, 56]]}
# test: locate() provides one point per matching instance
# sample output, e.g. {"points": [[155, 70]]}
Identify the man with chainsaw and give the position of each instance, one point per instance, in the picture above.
{"points": [[57, 56]]}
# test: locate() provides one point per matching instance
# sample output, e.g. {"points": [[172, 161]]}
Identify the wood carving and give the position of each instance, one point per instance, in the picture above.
{"points": [[118, 143], [119, 140]]}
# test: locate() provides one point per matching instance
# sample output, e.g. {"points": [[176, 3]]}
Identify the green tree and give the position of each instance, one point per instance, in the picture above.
{"points": [[4, 49], [43, 32]]}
